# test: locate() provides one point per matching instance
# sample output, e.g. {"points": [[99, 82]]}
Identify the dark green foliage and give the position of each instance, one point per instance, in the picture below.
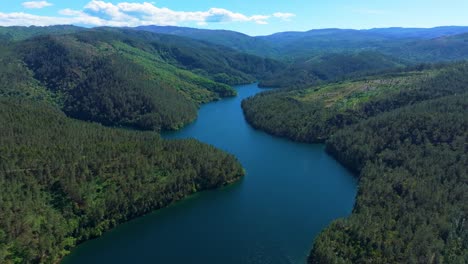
{"points": [[285, 117], [200, 57], [411, 206], [64, 181], [22, 33], [138, 79], [16, 80], [293, 115], [109, 89], [406, 140], [215, 61], [130, 78]]}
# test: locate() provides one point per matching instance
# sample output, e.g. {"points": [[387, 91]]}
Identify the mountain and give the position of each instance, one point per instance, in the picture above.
{"points": [[420, 33], [291, 46], [391, 41], [446, 48], [22, 33], [107, 82], [63, 180], [331, 67], [131, 78], [235, 40]]}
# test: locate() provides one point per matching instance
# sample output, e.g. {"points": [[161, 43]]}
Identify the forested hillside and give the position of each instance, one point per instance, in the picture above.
{"points": [[130, 78], [331, 67], [64, 181], [217, 62], [313, 114], [404, 134], [22, 33], [413, 187]]}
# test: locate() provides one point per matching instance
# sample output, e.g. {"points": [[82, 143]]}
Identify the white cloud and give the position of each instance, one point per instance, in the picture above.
{"points": [[36, 4], [101, 13], [24, 19], [284, 16]]}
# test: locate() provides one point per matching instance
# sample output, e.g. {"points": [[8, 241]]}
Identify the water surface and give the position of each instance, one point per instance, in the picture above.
{"points": [[290, 193]]}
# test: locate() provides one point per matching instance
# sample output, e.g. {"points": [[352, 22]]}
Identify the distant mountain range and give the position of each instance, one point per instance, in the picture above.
{"points": [[294, 45]]}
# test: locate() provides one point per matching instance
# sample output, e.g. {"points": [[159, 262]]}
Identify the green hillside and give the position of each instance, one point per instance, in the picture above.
{"points": [[331, 67], [313, 114], [21, 33], [411, 206], [64, 181], [104, 82], [134, 79]]}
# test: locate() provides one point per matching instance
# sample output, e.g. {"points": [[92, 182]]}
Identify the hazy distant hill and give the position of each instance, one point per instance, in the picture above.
{"points": [[21, 33], [423, 33], [294, 45], [232, 39], [446, 48], [331, 67]]}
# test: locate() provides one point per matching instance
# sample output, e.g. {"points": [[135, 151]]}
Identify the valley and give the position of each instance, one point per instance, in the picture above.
{"points": [[117, 144]]}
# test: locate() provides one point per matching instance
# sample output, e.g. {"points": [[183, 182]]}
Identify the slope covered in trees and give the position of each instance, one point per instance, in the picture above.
{"points": [[21, 33], [411, 206], [64, 181], [212, 60], [312, 114], [330, 67], [405, 136], [134, 79], [107, 87]]}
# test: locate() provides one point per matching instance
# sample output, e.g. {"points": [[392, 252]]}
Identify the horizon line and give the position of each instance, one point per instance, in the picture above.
{"points": [[279, 32]]}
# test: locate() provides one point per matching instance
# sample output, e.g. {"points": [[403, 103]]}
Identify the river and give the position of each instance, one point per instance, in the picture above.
{"points": [[290, 193]]}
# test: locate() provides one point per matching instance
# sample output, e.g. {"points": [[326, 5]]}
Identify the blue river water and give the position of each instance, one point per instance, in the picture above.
{"points": [[291, 192]]}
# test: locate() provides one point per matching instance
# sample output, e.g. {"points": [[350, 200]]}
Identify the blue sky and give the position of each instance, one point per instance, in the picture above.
{"points": [[254, 17]]}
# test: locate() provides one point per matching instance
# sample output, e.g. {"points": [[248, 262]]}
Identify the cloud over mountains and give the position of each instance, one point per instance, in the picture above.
{"points": [[101, 13]]}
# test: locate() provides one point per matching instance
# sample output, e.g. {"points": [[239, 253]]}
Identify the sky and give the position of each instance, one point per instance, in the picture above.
{"points": [[253, 17]]}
